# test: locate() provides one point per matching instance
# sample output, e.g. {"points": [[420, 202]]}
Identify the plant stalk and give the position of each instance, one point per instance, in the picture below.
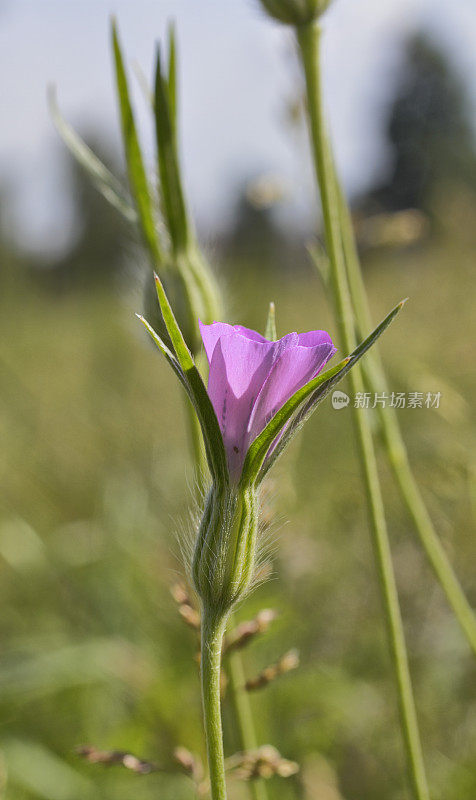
{"points": [[308, 37], [374, 375], [244, 716], [213, 629]]}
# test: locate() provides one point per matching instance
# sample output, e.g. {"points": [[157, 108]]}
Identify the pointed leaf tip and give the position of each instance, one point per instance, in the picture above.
{"points": [[270, 330]]}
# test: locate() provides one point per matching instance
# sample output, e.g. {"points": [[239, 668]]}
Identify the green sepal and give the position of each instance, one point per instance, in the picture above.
{"points": [[106, 183], [214, 447], [254, 468], [169, 356], [135, 165], [170, 181], [270, 331], [258, 449]]}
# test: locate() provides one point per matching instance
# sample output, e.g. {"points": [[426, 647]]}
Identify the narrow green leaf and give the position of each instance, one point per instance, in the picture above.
{"points": [[314, 392], [212, 436], [164, 350], [107, 184], [135, 165], [184, 355], [170, 181], [144, 85], [258, 449], [270, 332], [172, 77]]}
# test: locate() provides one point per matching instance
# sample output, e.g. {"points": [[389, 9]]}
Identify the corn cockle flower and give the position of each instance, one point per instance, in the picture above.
{"points": [[250, 378], [259, 394]]}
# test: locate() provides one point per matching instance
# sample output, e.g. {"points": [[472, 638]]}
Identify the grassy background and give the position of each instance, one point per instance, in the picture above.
{"points": [[95, 487]]}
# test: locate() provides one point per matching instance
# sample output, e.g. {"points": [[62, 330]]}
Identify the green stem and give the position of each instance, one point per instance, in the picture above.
{"points": [[396, 451], [213, 629], [309, 40], [243, 716]]}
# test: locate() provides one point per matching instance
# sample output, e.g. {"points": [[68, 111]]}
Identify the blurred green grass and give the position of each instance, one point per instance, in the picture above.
{"points": [[96, 484]]}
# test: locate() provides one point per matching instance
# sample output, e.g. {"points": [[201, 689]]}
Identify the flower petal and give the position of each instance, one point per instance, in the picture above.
{"points": [[239, 366], [314, 338], [292, 370], [212, 333], [250, 378]]}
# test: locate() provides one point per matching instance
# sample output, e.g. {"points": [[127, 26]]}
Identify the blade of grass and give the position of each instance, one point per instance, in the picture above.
{"points": [[106, 183], [172, 78], [308, 38], [170, 181], [135, 165], [205, 411], [375, 378]]}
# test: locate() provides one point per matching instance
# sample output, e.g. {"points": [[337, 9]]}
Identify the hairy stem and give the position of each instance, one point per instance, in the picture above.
{"points": [[308, 37], [243, 716], [375, 379], [213, 629]]}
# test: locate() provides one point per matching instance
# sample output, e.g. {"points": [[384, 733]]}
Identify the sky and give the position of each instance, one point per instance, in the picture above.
{"points": [[237, 75]]}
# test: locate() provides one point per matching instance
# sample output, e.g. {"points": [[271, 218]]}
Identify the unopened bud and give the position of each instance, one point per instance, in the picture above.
{"points": [[295, 12], [225, 553]]}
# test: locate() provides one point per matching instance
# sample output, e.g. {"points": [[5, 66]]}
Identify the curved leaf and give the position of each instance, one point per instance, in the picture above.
{"points": [[170, 180], [107, 184], [135, 165], [213, 439], [255, 467]]}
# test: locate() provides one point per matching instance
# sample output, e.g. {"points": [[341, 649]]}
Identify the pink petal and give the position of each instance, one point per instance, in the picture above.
{"points": [[239, 365], [292, 370], [212, 333], [250, 378], [313, 338]]}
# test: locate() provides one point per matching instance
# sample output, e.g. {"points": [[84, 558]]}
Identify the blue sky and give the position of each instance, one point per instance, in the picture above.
{"points": [[236, 75]]}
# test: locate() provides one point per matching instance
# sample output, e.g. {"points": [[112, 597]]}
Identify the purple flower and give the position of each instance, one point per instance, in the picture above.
{"points": [[251, 378]]}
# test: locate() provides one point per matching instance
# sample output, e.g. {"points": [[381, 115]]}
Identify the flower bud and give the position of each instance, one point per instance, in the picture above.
{"points": [[295, 12], [225, 552]]}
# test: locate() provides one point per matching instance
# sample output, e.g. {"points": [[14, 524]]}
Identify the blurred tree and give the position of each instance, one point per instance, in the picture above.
{"points": [[429, 129], [12, 263], [254, 239]]}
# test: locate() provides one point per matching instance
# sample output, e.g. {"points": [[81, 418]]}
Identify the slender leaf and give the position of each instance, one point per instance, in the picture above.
{"points": [[143, 83], [270, 332], [164, 350], [315, 391], [170, 181], [212, 436], [135, 165], [258, 449], [107, 184], [172, 78]]}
